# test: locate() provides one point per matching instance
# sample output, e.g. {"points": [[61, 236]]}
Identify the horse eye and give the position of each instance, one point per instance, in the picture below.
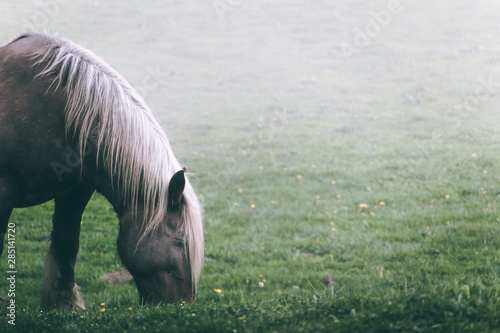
{"points": [[179, 242]]}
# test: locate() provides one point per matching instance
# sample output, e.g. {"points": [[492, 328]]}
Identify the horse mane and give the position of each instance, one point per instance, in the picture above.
{"points": [[101, 104]]}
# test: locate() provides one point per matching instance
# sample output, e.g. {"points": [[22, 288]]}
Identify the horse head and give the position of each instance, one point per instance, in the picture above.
{"points": [[160, 261]]}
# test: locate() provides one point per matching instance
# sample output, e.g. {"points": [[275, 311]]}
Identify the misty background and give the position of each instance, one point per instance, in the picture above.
{"points": [[421, 72]]}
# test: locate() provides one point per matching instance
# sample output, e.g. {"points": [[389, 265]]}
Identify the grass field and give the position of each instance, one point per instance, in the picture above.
{"points": [[379, 170], [409, 237]]}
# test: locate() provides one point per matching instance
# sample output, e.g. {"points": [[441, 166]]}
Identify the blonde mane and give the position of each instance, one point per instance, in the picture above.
{"points": [[135, 149]]}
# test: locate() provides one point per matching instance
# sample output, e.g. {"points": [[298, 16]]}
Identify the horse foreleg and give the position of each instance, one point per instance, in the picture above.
{"points": [[59, 286], [4, 219], [7, 197], [7, 201], [5, 212]]}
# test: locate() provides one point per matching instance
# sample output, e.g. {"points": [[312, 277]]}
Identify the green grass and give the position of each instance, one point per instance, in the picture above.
{"points": [[427, 260], [253, 102]]}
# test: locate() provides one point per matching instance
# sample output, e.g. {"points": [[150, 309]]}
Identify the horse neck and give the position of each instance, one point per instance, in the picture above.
{"points": [[110, 189]]}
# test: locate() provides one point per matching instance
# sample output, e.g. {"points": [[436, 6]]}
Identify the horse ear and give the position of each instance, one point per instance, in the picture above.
{"points": [[175, 189]]}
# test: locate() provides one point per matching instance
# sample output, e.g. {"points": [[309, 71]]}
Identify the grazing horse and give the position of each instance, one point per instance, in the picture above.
{"points": [[71, 125]]}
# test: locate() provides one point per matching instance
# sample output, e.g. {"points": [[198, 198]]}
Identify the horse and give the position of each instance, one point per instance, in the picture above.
{"points": [[70, 125]]}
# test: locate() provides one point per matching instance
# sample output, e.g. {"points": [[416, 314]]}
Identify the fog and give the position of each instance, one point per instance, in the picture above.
{"points": [[204, 66]]}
